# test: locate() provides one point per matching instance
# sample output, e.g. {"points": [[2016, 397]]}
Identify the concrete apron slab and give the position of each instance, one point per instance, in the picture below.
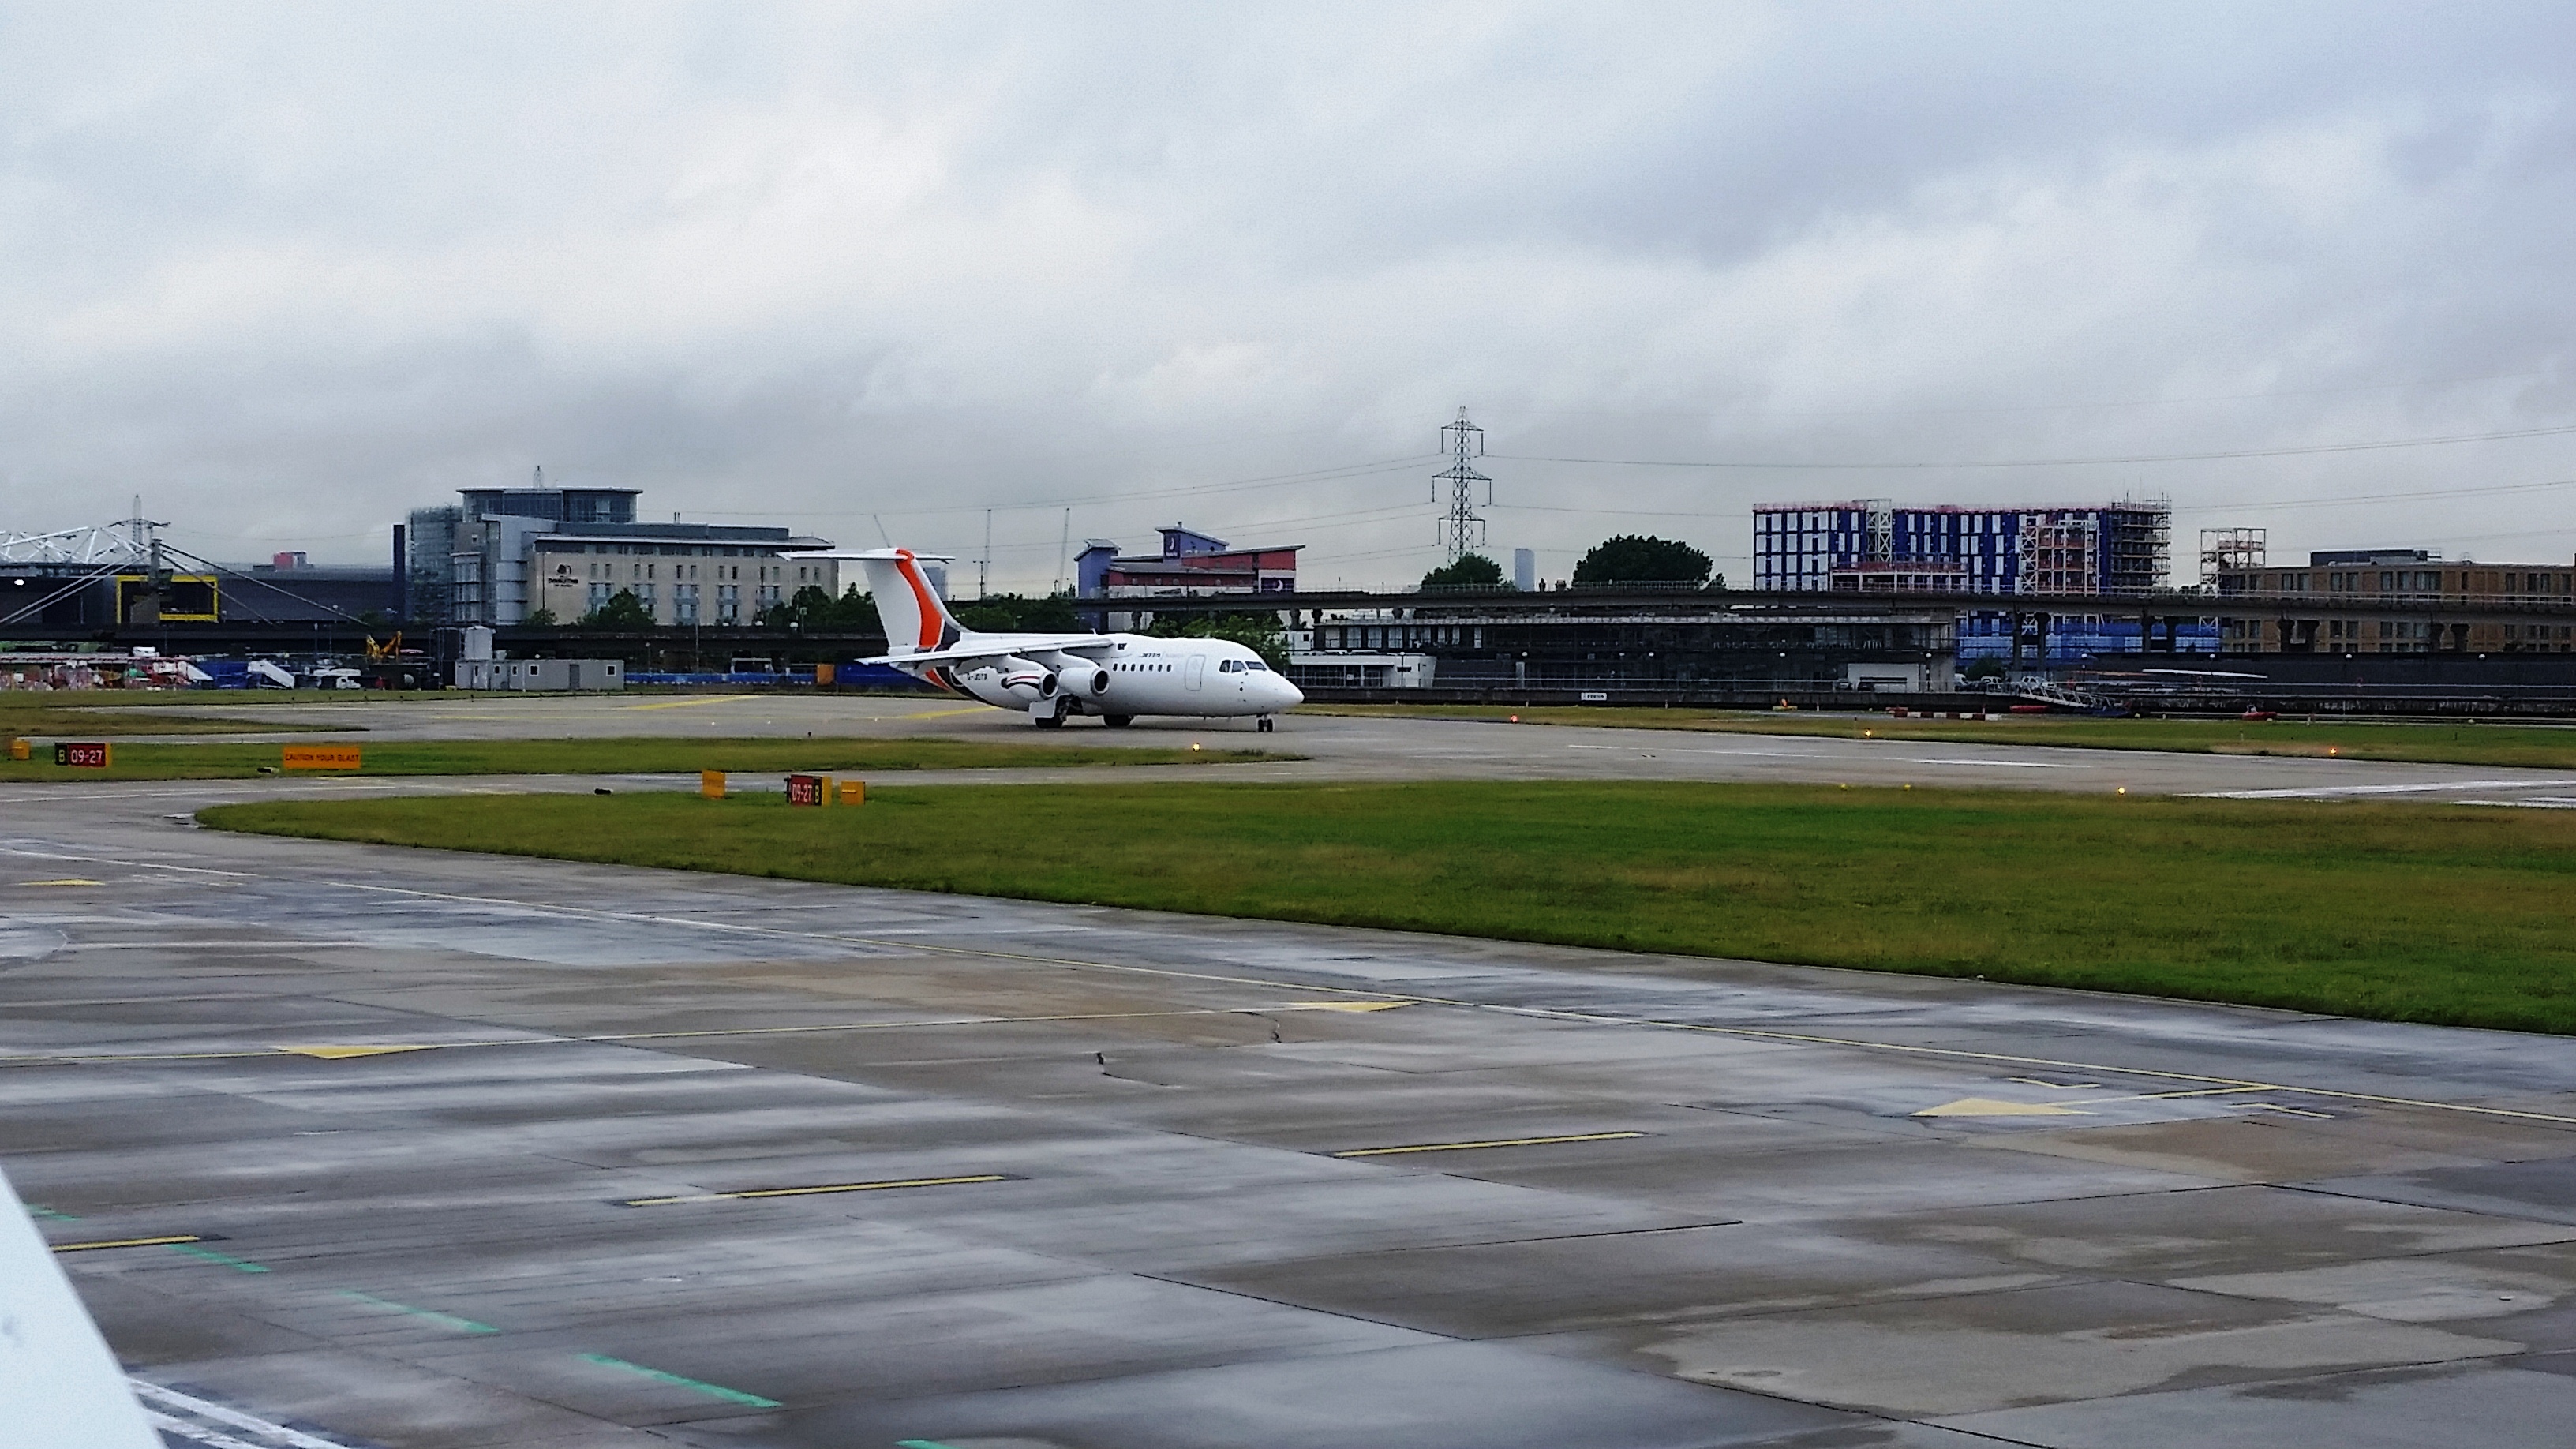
{"points": [[494, 1153]]}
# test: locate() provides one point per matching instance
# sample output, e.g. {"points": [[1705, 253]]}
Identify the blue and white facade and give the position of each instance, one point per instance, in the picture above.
{"points": [[1873, 546], [1796, 547]]}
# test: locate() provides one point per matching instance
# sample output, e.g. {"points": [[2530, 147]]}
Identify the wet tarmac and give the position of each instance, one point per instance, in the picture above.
{"points": [[372, 1146]]}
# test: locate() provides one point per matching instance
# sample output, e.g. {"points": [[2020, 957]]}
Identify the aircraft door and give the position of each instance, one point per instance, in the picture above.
{"points": [[1194, 673]]}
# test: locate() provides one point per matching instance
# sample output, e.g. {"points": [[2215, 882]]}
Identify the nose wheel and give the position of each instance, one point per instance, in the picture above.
{"points": [[1264, 724]]}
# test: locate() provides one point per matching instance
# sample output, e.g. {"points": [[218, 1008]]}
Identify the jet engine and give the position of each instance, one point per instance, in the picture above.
{"points": [[1024, 680], [1081, 678]]}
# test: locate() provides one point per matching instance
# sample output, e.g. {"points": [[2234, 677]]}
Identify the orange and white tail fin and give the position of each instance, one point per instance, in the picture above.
{"points": [[916, 622]]}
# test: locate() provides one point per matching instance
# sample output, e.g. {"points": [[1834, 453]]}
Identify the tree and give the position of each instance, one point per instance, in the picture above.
{"points": [[856, 613], [996, 613], [1470, 571], [540, 619], [1640, 559], [814, 610], [622, 611], [1260, 633]]}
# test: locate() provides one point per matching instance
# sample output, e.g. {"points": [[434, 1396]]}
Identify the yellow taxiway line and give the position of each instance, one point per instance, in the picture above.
{"points": [[690, 703], [829, 1187], [171, 1241], [1494, 1142]]}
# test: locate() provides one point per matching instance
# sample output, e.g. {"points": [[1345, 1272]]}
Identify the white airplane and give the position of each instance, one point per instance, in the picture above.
{"points": [[1057, 676]]}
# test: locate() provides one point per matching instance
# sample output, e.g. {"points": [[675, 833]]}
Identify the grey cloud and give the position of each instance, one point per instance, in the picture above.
{"points": [[290, 270]]}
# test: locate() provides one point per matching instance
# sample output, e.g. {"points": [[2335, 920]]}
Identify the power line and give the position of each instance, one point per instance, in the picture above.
{"points": [[2152, 402], [1337, 473], [2313, 448]]}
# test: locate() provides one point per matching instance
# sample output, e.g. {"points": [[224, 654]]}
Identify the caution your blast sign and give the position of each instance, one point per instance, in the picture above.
{"points": [[321, 757]]}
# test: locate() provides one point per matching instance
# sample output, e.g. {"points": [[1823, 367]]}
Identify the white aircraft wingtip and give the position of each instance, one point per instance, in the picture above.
{"points": [[60, 1388]]}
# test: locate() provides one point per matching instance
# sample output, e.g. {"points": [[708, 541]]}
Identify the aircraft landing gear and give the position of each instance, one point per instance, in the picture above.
{"points": [[1054, 719], [1118, 721], [1263, 723]]}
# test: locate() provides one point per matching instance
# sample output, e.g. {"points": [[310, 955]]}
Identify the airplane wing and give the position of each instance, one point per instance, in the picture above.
{"points": [[974, 649]]}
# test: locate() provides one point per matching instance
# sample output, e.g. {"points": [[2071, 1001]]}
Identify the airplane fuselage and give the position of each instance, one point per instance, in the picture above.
{"points": [[1120, 677]]}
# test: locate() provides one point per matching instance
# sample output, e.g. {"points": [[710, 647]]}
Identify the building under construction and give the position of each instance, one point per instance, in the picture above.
{"points": [[1873, 546]]}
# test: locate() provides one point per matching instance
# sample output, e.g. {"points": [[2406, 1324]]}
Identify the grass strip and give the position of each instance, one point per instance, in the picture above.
{"points": [[646, 755], [2447, 914], [2444, 742]]}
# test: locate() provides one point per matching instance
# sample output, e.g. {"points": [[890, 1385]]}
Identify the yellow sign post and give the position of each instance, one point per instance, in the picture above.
{"points": [[321, 757], [20, 749], [854, 792], [711, 784]]}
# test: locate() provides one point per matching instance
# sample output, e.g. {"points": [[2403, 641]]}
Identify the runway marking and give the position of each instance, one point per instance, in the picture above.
{"points": [[171, 1240], [343, 1053], [211, 1256], [2321, 792], [1747, 1033], [2055, 1086], [1773, 754], [2196, 1092], [1497, 1142], [819, 1191], [276, 1436], [1989, 1107], [193, 1433], [61, 882], [735, 1396], [690, 703], [1999, 764], [444, 1320]]}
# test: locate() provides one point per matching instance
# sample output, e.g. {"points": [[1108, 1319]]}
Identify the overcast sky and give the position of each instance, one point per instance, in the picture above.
{"points": [[290, 271]]}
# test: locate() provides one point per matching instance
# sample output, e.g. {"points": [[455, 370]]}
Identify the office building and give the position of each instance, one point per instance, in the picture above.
{"points": [[562, 553]]}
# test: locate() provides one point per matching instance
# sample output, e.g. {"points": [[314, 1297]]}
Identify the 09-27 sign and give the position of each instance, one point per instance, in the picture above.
{"points": [[94, 756]]}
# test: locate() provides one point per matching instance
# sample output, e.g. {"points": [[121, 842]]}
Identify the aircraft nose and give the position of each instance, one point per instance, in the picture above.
{"points": [[1287, 696]]}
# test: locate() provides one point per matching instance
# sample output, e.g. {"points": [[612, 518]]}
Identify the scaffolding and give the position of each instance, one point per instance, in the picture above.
{"points": [[2231, 550], [2110, 549]]}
